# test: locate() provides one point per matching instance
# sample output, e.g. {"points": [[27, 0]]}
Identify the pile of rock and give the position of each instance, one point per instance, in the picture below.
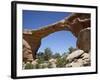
{"points": [[81, 57], [78, 58]]}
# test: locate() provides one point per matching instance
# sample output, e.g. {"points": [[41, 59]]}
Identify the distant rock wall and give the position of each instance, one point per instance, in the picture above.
{"points": [[77, 23]]}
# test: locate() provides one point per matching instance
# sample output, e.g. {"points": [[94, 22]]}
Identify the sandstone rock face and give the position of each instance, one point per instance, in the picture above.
{"points": [[77, 25], [84, 40], [33, 41], [27, 52], [82, 60]]}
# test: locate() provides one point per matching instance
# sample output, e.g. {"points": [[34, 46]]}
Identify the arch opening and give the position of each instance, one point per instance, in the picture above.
{"points": [[58, 42]]}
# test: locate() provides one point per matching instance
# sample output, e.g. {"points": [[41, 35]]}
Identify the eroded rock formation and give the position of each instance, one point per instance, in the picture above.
{"points": [[27, 52], [76, 23]]}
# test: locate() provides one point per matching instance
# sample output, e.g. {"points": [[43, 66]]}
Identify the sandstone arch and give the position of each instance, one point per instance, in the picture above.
{"points": [[74, 23]]}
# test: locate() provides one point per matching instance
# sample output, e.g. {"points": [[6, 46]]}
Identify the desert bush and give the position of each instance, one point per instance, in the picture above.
{"points": [[29, 66], [37, 66], [43, 60], [61, 62]]}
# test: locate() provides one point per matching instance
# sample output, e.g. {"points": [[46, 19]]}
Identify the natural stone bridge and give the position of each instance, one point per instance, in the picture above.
{"points": [[77, 23]]}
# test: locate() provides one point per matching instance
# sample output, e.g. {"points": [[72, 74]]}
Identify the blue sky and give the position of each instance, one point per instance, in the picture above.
{"points": [[59, 41]]}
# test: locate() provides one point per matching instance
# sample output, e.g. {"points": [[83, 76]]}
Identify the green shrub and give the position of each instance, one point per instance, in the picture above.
{"points": [[29, 66], [61, 62], [37, 66]]}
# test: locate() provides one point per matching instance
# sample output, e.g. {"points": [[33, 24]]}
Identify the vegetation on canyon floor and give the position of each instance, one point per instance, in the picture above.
{"points": [[48, 59]]}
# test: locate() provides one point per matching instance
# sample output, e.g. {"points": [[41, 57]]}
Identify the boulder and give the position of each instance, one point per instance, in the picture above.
{"points": [[68, 65], [34, 62], [86, 59], [74, 54], [83, 60], [75, 63], [52, 60], [85, 55], [52, 63]]}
